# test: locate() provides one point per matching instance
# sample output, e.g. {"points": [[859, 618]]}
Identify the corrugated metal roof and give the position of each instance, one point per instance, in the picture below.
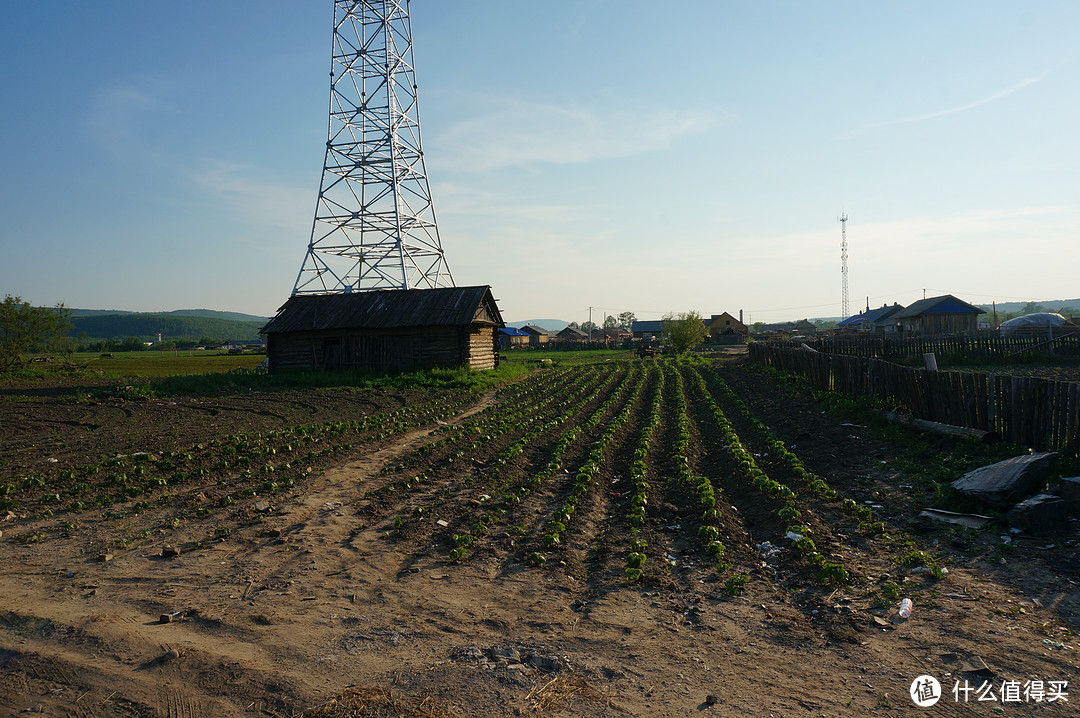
{"points": [[384, 309]]}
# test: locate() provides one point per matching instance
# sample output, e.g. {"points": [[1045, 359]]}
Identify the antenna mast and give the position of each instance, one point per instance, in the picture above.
{"points": [[844, 310], [374, 225]]}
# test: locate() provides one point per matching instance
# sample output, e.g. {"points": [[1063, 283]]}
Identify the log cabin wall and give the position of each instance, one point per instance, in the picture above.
{"points": [[483, 347], [383, 350], [939, 324], [390, 330]]}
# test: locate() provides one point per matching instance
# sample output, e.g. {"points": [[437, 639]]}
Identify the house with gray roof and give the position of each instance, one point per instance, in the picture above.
{"points": [[398, 329]]}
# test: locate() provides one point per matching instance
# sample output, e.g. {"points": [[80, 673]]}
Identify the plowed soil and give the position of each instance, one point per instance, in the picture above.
{"points": [[275, 571]]}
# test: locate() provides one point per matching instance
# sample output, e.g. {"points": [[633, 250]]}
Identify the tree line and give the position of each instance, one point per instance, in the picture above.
{"points": [[149, 326], [26, 329]]}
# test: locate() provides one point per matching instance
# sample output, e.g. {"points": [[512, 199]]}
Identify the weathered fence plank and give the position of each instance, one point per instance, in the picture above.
{"points": [[1043, 414]]}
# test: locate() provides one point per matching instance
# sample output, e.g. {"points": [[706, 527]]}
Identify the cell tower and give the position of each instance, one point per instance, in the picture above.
{"points": [[374, 224], [844, 309]]}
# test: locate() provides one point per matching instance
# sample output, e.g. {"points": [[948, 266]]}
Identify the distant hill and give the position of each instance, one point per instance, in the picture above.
{"points": [[170, 325], [208, 313], [555, 325], [95, 312], [1050, 305], [214, 314]]}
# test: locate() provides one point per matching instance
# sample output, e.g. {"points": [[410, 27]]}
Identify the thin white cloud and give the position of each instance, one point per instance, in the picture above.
{"points": [[262, 203], [117, 118], [518, 133], [479, 205], [1026, 82]]}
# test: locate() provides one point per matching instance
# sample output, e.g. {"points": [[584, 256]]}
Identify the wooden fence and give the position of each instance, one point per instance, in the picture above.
{"points": [[975, 346], [1042, 414]]}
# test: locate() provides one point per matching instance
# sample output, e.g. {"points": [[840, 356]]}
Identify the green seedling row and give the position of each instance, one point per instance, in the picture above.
{"points": [[565, 442], [747, 466]]}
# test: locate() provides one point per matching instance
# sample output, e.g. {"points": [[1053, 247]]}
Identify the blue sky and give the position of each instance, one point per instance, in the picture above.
{"points": [[620, 154]]}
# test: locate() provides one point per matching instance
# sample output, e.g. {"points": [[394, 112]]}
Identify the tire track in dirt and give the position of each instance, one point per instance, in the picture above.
{"points": [[138, 650]]}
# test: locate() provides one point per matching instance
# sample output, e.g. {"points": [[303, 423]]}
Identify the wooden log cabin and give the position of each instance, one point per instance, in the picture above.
{"points": [[938, 316], [385, 330]]}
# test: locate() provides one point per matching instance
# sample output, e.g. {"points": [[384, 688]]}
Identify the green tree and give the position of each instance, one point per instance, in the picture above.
{"points": [[684, 331], [626, 320], [1032, 308], [24, 327], [130, 344]]}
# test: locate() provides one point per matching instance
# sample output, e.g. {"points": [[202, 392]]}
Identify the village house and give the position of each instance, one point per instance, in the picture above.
{"points": [[936, 316], [399, 329], [511, 337], [872, 321], [538, 336], [570, 335], [648, 328], [799, 328], [726, 329]]}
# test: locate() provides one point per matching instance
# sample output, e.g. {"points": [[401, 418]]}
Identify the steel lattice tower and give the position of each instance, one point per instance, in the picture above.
{"points": [[374, 224], [845, 308]]}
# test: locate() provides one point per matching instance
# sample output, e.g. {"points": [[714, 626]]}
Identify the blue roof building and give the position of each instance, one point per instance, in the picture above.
{"points": [[935, 316], [872, 321]]}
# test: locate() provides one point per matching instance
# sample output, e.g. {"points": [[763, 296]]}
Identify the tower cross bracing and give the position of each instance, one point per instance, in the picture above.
{"points": [[844, 305], [374, 225]]}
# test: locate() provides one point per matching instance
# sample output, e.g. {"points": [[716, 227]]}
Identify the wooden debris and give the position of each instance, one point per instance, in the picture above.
{"points": [[986, 437]]}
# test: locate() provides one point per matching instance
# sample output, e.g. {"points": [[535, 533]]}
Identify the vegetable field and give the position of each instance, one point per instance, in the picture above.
{"points": [[592, 538]]}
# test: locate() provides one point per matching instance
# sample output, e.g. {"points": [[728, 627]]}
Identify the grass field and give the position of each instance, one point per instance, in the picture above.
{"points": [[150, 364], [195, 373], [572, 356]]}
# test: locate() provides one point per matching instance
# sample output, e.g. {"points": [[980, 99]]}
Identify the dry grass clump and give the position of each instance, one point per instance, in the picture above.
{"points": [[371, 702], [565, 693]]}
